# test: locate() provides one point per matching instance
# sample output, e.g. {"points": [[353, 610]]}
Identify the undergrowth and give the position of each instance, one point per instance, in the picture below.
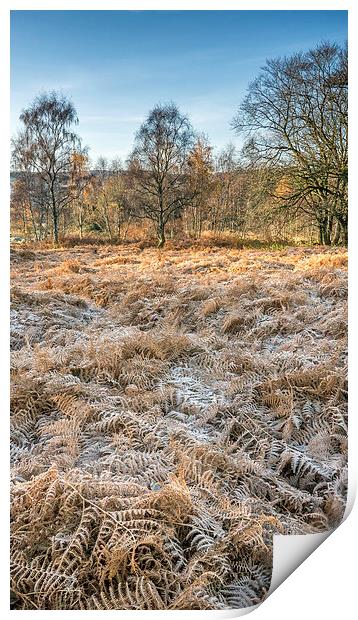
{"points": [[171, 411]]}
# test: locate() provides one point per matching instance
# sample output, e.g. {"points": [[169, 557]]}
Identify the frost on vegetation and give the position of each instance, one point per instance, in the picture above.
{"points": [[166, 423]]}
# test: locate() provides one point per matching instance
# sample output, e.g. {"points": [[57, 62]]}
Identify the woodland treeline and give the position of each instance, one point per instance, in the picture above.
{"points": [[289, 181]]}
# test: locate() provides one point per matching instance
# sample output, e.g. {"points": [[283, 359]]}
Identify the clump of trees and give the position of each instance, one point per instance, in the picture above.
{"points": [[47, 153], [109, 193], [290, 179], [295, 117]]}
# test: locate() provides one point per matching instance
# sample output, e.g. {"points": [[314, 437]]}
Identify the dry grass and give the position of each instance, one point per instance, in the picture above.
{"points": [[170, 412]]}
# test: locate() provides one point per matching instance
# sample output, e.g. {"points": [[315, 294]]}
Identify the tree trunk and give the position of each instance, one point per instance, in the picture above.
{"points": [[326, 236], [344, 227], [126, 229], [329, 229], [47, 222], [23, 215], [64, 224], [343, 221], [54, 217], [325, 229], [321, 233], [161, 233], [119, 224], [337, 234], [345, 235], [33, 222]]}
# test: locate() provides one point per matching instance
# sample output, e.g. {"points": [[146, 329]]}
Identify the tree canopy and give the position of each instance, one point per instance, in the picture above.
{"points": [[295, 117]]}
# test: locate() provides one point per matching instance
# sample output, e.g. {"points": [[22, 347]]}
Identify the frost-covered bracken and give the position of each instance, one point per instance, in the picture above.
{"points": [[170, 413]]}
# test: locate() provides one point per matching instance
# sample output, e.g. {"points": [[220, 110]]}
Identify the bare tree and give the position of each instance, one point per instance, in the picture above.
{"points": [[33, 195], [20, 209], [45, 147], [295, 116], [80, 177], [201, 180], [158, 165], [231, 191], [103, 174], [30, 203], [120, 211]]}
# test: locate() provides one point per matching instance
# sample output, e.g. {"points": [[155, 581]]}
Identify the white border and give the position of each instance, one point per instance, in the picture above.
{"points": [[252, 5]]}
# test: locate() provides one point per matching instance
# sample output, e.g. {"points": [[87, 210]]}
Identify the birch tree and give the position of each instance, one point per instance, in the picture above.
{"points": [[158, 166]]}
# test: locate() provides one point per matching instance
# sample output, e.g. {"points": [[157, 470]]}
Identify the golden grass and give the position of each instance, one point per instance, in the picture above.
{"points": [[171, 411]]}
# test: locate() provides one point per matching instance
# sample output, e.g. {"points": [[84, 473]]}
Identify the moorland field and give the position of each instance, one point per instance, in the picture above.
{"points": [[172, 410]]}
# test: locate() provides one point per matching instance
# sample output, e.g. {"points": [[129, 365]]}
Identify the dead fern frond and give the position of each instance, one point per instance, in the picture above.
{"points": [[169, 414]]}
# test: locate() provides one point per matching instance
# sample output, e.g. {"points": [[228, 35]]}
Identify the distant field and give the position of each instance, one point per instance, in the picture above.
{"points": [[170, 412]]}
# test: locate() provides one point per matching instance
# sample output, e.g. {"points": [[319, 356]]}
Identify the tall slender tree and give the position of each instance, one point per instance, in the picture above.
{"points": [[158, 165], [45, 147]]}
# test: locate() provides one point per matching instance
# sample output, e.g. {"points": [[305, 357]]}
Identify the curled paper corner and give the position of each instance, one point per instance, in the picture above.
{"points": [[291, 550]]}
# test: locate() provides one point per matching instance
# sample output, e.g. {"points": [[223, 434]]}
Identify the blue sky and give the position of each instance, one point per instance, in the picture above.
{"points": [[116, 65]]}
